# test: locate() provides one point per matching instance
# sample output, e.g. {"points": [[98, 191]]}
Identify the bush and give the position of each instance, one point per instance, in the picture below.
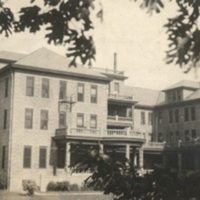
{"points": [[3, 185], [29, 186], [74, 187], [58, 186]]}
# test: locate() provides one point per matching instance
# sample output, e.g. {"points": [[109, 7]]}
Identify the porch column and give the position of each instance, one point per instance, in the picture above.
{"points": [[67, 156], [128, 152], [141, 157], [179, 161], [101, 148]]}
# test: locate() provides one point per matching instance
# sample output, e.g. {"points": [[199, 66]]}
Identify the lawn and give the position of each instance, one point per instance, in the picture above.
{"points": [[56, 196]]}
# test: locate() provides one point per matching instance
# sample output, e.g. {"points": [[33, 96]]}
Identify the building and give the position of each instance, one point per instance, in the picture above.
{"points": [[47, 108]]}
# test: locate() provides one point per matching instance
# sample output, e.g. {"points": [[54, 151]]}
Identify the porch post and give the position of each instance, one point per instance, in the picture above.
{"points": [[101, 148], [67, 156], [179, 161], [141, 158], [128, 151]]}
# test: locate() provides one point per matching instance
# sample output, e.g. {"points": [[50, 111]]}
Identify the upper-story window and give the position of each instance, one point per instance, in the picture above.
{"points": [[93, 121], [150, 119], [160, 137], [28, 118], [193, 133], [142, 117], [93, 94], [6, 87], [5, 119], [160, 118], [187, 135], [80, 120], [62, 120], [186, 114], [179, 95], [45, 88], [193, 113], [44, 120], [63, 89], [116, 88], [30, 86], [177, 135], [171, 116], [80, 92], [177, 115]]}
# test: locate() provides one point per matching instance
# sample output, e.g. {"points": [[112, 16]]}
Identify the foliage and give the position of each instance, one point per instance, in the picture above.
{"points": [[30, 186], [3, 185], [62, 186], [124, 182], [68, 22]]}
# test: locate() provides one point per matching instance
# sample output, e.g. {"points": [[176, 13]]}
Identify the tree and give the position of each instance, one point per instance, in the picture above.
{"points": [[123, 182], [57, 16]]}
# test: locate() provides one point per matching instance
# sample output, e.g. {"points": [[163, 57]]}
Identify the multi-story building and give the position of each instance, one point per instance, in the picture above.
{"points": [[48, 108]]}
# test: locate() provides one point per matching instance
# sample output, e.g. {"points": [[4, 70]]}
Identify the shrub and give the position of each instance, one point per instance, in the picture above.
{"points": [[3, 185], [74, 187], [30, 187], [51, 186], [58, 186]]}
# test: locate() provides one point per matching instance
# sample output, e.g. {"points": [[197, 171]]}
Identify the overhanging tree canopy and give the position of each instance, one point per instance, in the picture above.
{"points": [[57, 16]]}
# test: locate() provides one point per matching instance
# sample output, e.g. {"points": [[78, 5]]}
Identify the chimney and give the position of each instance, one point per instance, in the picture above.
{"points": [[115, 62]]}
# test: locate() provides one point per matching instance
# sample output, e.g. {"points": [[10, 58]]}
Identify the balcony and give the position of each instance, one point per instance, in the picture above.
{"points": [[154, 146], [116, 120], [180, 144], [94, 133], [120, 97]]}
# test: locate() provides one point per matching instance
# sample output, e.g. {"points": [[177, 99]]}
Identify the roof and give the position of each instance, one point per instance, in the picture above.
{"points": [[144, 96], [184, 84], [194, 95], [48, 60], [10, 56]]}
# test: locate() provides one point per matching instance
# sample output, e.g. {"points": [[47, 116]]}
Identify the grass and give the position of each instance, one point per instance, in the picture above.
{"points": [[56, 196]]}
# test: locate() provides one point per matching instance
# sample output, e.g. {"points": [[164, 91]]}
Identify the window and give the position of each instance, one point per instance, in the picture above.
{"points": [[80, 92], [27, 157], [176, 115], [193, 113], [174, 96], [80, 120], [186, 114], [63, 89], [93, 121], [170, 116], [5, 119], [129, 113], [160, 118], [3, 157], [160, 137], [6, 87], [177, 135], [171, 137], [187, 136], [45, 88], [150, 118], [93, 94], [43, 157], [44, 119], [116, 88], [179, 95], [169, 96], [30, 86], [62, 120], [194, 134], [28, 118], [142, 117]]}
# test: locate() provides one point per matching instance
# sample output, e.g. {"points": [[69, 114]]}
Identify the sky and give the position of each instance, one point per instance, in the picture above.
{"points": [[139, 40]]}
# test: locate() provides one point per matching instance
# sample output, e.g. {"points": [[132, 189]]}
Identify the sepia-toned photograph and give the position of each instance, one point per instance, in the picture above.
{"points": [[99, 100]]}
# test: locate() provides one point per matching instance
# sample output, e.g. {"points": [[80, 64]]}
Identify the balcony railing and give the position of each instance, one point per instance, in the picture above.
{"points": [[154, 145], [178, 144], [119, 119], [120, 97], [123, 133], [109, 71], [115, 133]]}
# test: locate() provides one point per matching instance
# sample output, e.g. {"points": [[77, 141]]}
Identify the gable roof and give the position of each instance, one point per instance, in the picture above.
{"points": [[144, 96], [184, 84], [45, 59], [10, 56]]}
